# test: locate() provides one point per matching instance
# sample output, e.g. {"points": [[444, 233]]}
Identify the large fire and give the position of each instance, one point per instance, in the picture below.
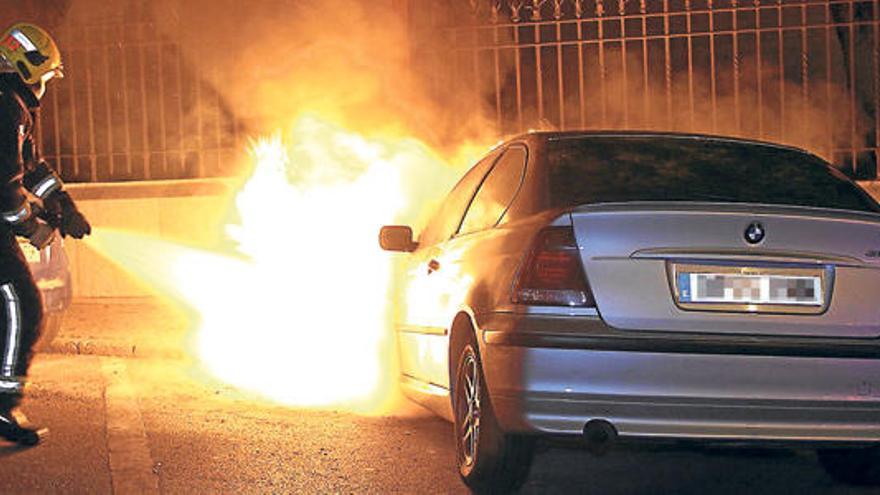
{"points": [[299, 311]]}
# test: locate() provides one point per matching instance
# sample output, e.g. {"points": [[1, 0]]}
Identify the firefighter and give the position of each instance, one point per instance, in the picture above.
{"points": [[33, 205]]}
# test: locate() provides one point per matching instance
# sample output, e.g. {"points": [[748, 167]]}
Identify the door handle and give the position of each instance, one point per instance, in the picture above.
{"points": [[433, 266]]}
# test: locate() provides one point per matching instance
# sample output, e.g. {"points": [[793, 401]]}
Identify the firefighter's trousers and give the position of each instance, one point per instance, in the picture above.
{"points": [[21, 315]]}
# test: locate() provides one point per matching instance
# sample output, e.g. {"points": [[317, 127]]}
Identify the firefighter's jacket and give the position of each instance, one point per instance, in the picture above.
{"points": [[21, 171]]}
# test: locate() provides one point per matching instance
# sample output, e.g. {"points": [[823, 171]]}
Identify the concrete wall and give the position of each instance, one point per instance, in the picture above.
{"points": [[191, 212]]}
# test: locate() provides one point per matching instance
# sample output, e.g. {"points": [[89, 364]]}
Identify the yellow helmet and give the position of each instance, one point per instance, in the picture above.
{"points": [[32, 52]]}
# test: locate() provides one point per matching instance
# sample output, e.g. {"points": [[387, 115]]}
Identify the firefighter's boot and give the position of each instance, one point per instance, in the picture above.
{"points": [[15, 427]]}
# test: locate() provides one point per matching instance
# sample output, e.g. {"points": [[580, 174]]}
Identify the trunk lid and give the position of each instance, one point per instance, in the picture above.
{"points": [[639, 256]]}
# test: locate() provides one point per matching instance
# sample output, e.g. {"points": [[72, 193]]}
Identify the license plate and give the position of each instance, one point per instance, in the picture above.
{"points": [[751, 289]]}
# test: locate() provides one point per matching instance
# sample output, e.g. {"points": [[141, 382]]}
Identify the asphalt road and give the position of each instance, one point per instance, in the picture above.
{"points": [[146, 425], [136, 425]]}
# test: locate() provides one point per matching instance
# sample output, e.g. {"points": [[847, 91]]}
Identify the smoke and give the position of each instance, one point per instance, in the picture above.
{"points": [[346, 60], [49, 13], [787, 89], [760, 104], [356, 63], [284, 65]]}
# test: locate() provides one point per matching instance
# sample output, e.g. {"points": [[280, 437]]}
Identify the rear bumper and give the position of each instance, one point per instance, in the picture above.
{"points": [[553, 374]]}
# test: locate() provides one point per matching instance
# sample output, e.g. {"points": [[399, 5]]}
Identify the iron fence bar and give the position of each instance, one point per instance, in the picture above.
{"points": [[646, 87], [600, 11], [737, 112], [145, 118], [199, 123], [781, 56], [828, 78], [460, 65], [56, 129], [712, 76], [621, 9], [581, 95], [667, 69], [852, 94], [163, 136], [499, 119], [759, 69], [690, 61], [475, 59], [74, 111], [126, 111], [217, 123], [518, 63], [759, 62], [90, 108], [805, 68], [108, 113], [181, 117], [876, 44], [559, 76], [539, 74]]}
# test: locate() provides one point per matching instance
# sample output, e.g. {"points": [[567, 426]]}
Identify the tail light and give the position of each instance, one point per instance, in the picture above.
{"points": [[553, 274]]}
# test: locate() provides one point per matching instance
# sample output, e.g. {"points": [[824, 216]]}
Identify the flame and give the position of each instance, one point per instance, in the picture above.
{"points": [[299, 310]]}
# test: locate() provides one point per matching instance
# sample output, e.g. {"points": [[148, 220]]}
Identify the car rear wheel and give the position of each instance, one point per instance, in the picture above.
{"points": [[852, 466], [489, 461]]}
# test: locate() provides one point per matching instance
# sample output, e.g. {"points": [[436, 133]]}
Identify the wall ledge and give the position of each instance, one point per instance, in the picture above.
{"points": [[151, 189]]}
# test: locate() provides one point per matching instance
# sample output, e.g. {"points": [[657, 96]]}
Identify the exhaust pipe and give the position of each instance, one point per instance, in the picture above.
{"points": [[599, 435]]}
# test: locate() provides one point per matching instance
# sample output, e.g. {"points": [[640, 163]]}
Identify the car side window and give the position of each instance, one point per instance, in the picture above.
{"points": [[497, 192], [446, 220]]}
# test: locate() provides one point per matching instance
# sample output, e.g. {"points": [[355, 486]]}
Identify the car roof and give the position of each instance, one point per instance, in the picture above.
{"points": [[561, 135]]}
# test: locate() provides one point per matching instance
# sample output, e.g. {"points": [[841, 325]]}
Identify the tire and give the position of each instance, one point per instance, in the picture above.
{"points": [[860, 466], [489, 461], [51, 327]]}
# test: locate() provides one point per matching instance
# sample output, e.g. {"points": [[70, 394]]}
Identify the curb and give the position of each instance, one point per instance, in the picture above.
{"points": [[99, 347]]}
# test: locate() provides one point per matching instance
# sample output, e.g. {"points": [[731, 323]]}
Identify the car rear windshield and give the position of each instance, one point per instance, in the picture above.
{"points": [[588, 170]]}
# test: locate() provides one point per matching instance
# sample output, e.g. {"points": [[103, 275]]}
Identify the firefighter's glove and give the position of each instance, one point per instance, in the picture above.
{"points": [[70, 221], [75, 225], [39, 233]]}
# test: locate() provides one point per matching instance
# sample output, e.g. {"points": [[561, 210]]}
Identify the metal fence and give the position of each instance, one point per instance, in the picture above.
{"points": [[129, 108], [804, 72]]}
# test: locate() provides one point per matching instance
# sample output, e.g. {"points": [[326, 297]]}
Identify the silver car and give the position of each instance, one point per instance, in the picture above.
{"points": [[636, 286]]}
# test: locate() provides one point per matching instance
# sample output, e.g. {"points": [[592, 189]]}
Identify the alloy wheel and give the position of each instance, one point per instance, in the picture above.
{"points": [[468, 408]]}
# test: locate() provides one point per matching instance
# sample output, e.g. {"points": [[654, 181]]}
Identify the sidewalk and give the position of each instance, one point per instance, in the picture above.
{"points": [[142, 327]]}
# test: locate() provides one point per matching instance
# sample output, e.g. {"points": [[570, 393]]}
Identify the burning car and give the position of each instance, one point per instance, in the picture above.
{"points": [[50, 268], [645, 286]]}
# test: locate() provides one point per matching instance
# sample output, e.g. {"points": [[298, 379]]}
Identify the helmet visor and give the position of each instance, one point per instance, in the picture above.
{"points": [[56, 73]]}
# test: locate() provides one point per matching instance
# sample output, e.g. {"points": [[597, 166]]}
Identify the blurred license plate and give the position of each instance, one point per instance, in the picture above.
{"points": [[724, 288], [751, 289]]}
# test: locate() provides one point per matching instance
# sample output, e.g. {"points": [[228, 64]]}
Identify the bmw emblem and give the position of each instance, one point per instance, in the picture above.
{"points": [[755, 233]]}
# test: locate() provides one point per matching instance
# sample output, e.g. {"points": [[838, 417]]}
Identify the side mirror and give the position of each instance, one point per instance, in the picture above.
{"points": [[397, 238]]}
